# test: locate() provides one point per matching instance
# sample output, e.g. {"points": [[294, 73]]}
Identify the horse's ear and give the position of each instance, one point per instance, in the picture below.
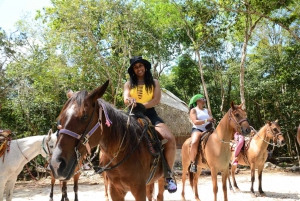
{"points": [[232, 105], [276, 121], [268, 122], [98, 93], [70, 93], [50, 132], [241, 105]]}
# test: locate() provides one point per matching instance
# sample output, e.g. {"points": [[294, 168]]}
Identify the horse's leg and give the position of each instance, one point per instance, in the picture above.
{"points": [[2, 187], [161, 189], [233, 169], [9, 189], [195, 183], [224, 186], [229, 182], [252, 169], [139, 192], [261, 192], [150, 192], [52, 186], [105, 180], [76, 178], [214, 174], [185, 161], [64, 195], [118, 194]]}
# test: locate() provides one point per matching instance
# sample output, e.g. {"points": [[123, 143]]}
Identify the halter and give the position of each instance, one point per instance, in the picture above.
{"points": [[237, 123], [274, 136]]}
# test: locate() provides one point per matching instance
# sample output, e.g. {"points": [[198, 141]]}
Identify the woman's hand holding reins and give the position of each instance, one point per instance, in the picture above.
{"points": [[131, 102]]}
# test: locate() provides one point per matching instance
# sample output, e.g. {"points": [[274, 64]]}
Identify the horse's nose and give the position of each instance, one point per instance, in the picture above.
{"points": [[281, 142], [246, 131], [57, 166]]}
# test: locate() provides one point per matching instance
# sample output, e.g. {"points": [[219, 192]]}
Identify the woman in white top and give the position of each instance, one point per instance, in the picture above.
{"points": [[200, 117]]}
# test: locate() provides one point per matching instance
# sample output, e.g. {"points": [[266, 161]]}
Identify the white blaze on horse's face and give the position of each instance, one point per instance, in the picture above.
{"points": [[69, 113]]}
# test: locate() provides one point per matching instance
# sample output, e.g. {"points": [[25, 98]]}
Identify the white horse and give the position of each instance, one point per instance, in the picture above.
{"points": [[21, 152]]}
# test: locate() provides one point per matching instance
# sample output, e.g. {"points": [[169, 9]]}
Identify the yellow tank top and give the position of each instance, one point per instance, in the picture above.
{"points": [[140, 94]]}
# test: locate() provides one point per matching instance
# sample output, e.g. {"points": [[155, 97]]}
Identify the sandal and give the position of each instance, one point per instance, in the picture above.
{"points": [[171, 185], [193, 167]]}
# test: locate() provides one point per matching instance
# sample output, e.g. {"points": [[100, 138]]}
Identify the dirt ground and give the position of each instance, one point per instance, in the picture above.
{"points": [[278, 186]]}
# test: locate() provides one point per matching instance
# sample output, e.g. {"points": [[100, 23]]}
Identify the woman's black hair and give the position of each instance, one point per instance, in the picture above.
{"points": [[148, 78]]}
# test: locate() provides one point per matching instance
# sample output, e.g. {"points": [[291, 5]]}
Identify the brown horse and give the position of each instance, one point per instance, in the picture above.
{"points": [[216, 150], [256, 154], [87, 120], [298, 134]]}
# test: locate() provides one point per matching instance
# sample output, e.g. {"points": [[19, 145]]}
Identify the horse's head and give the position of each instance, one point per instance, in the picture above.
{"points": [[49, 144], [274, 132], [238, 119], [77, 120]]}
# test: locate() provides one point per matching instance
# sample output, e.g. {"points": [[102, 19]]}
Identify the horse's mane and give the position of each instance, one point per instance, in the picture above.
{"points": [[119, 126]]}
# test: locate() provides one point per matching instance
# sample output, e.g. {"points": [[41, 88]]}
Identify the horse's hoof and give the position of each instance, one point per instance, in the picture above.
{"points": [[253, 195], [262, 194]]}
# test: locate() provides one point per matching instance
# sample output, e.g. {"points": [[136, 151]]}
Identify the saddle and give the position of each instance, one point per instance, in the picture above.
{"points": [[5, 139], [202, 143]]}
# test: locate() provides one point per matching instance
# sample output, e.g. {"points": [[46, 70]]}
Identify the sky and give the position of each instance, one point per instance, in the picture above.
{"points": [[13, 10]]}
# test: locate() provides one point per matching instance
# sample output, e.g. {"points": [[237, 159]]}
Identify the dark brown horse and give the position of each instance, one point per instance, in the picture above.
{"points": [[256, 154], [87, 120], [216, 151]]}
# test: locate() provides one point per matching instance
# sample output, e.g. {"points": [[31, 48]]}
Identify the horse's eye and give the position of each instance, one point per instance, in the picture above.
{"points": [[84, 117], [237, 115], [51, 146], [275, 129]]}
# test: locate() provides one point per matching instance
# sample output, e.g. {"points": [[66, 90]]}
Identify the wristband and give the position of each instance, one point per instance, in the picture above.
{"points": [[205, 121]]}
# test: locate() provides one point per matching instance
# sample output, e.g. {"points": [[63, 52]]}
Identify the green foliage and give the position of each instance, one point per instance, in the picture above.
{"points": [[80, 44]]}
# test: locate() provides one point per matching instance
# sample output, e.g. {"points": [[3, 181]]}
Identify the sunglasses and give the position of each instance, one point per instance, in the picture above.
{"points": [[202, 99]]}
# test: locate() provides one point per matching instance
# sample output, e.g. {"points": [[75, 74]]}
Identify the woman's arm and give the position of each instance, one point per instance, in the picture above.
{"points": [[193, 117], [156, 96], [126, 94]]}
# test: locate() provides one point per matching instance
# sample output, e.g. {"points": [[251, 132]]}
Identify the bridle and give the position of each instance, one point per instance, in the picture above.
{"points": [[275, 136], [237, 124], [84, 138]]}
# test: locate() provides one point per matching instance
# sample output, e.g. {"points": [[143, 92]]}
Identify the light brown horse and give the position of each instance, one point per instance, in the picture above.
{"points": [[216, 151], [87, 120], [298, 134], [256, 154]]}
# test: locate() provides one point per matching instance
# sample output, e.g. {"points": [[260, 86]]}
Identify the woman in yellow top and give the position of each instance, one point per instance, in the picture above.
{"points": [[142, 88]]}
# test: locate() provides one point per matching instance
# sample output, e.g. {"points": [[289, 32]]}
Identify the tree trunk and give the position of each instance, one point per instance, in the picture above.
{"points": [[203, 81]]}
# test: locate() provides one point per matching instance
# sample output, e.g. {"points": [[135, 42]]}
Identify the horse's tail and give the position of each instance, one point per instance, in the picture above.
{"points": [[191, 178]]}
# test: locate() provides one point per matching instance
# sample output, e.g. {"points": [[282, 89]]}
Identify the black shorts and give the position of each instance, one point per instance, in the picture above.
{"points": [[152, 115], [196, 130]]}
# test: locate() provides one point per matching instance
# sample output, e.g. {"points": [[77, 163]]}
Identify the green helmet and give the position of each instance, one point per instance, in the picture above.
{"points": [[194, 99]]}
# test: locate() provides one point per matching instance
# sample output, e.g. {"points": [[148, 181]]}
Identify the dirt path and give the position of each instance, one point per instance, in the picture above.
{"points": [[278, 186]]}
